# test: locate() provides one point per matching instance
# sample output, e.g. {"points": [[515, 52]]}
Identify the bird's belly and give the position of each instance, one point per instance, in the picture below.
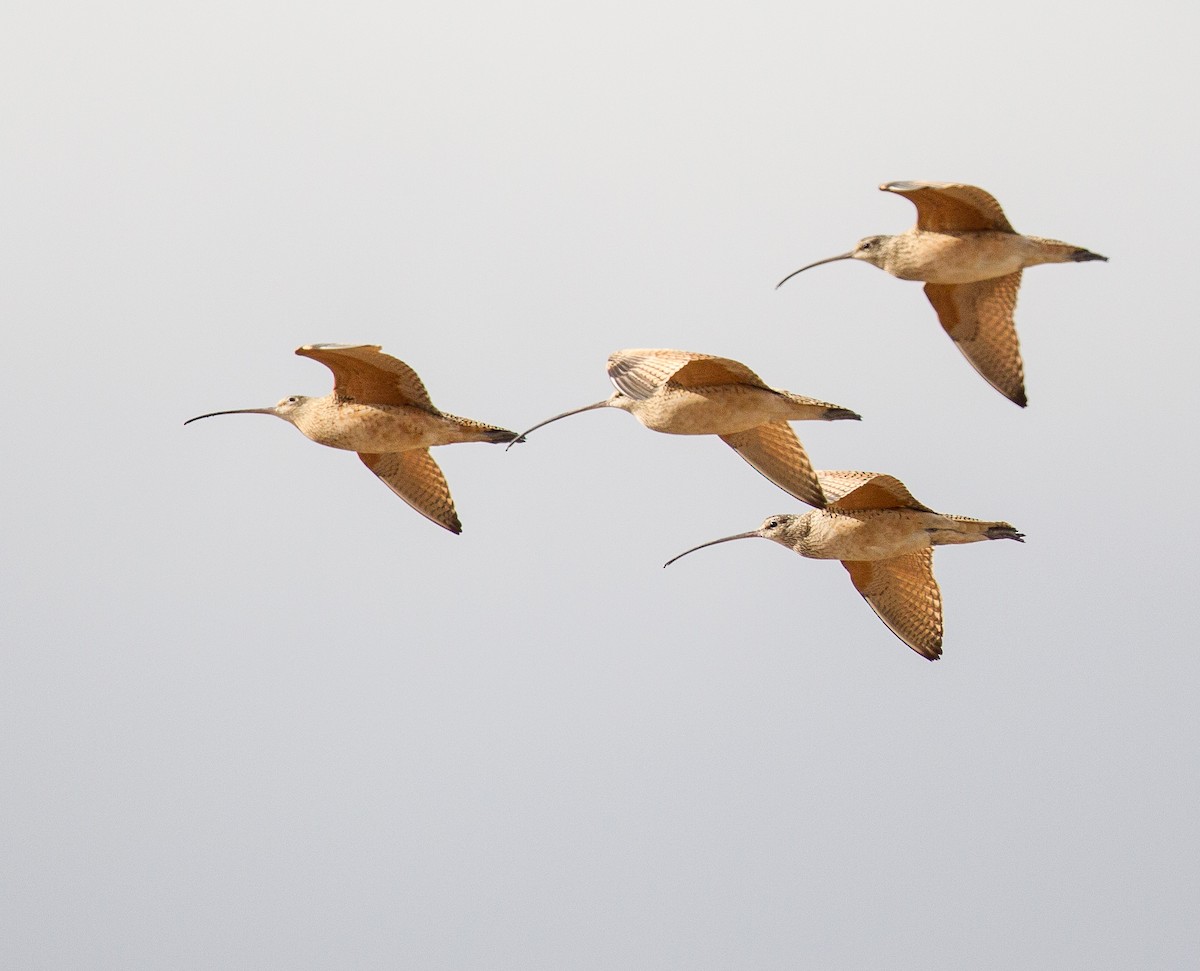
{"points": [[374, 428], [873, 534], [719, 411], [948, 258]]}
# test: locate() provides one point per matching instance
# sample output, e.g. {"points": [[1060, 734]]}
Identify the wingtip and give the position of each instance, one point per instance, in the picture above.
{"points": [[930, 652]]}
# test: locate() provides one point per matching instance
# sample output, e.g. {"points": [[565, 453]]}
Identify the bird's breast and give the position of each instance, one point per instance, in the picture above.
{"points": [[360, 427], [956, 257], [869, 534], [720, 410]]}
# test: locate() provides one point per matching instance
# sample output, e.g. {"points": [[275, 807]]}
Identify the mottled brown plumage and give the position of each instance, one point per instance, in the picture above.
{"points": [[970, 259], [380, 409], [683, 393], [885, 540]]}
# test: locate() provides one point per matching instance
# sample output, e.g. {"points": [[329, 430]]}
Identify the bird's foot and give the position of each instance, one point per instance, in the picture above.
{"points": [[1004, 531]]}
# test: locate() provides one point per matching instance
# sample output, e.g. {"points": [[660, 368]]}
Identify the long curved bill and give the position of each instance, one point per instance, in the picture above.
{"points": [[713, 542], [565, 414], [832, 259], [236, 411]]}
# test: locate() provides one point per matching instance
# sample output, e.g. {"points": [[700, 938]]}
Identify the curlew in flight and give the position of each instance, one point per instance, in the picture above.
{"points": [[380, 409], [970, 259], [681, 393], [885, 539]]}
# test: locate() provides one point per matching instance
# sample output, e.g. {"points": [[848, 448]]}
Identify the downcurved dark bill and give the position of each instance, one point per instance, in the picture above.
{"points": [[565, 414], [713, 542], [832, 259], [236, 411]]}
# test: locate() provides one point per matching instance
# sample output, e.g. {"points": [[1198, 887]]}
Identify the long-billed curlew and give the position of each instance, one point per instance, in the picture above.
{"points": [[970, 259], [885, 539], [681, 393], [380, 409]]}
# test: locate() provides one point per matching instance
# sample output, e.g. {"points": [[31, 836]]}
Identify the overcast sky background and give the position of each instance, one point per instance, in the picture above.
{"points": [[256, 712]]}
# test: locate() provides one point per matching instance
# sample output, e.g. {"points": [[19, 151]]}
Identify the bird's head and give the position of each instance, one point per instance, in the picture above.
{"points": [[787, 529], [287, 407], [870, 249]]}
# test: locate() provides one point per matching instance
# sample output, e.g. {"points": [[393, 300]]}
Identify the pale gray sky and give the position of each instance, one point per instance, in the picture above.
{"points": [[255, 712]]}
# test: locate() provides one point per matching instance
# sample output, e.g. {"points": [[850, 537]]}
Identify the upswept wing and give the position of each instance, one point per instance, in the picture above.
{"points": [[416, 478], [774, 450], [943, 206], [848, 491], [363, 373], [979, 318], [905, 596], [639, 372]]}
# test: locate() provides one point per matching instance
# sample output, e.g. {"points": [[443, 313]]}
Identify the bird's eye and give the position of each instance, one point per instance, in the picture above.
{"points": [[293, 400], [773, 524], [866, 245]]}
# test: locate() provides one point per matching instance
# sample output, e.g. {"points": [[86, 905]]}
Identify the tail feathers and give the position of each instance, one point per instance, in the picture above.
{"points": [[813, 409], [501, 436], [1056, 251], [968, 530], [480, 432]]}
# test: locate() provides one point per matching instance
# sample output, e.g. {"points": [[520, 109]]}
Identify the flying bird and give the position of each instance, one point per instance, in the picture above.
{"points": [[682, 393], [380, 409], [885, 540], [970, 259]]}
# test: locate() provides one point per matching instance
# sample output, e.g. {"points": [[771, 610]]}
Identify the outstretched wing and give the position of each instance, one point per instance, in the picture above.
{"points": [[639, 372], [905, 596], [775, 451], [944, 206], [847, 491], [979, 318], [362, 372], [415, 477]]}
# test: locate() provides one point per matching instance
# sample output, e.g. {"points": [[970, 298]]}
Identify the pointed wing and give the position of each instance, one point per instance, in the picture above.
{"points": [[639, 372], [847, 491], [364, 373], [979, 317], [905, 596], [415, 477], [774, 450], [951, 205]]}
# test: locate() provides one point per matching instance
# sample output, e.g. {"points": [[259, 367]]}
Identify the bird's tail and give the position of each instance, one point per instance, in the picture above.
{"points": [[967, 530], [477, 431], [1056, 251], [815, 410]]}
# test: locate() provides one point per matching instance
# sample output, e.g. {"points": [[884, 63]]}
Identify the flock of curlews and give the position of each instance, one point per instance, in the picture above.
{"points": [[970, 260]]}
